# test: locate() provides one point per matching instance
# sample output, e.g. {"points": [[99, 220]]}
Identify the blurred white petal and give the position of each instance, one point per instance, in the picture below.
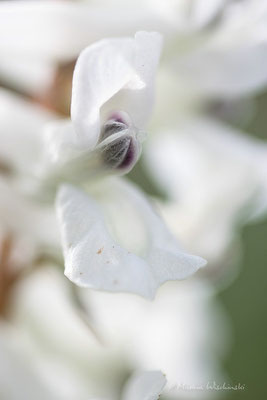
{"points": [[231, 71], [229, 60], [145, 386], [21, 124], [215, 40], [32, 226], [215, 180], [121, 245], [186, 16], [54, 32], [73, 365], [18, 379], [183, 332], [29, 75]]}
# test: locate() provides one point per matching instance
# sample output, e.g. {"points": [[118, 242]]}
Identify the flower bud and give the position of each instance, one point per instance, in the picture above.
{"points": [[119, 144]]}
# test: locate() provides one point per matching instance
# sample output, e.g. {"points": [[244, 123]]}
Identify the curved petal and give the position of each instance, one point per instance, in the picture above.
{"points": [[230, 61], [145, 386], [121, 245], [107, 67]]}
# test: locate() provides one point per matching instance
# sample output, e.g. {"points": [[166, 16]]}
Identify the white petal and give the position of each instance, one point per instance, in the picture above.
{"points": [[231, 60], [27, 74], [150, 333], [145, 386], [185, 16], [57, 31], [18, 378], [202, 12], [32, 224], [106, 68], [122, 246], [230, 71], [92, 258], [53, 32], [45, 297]]}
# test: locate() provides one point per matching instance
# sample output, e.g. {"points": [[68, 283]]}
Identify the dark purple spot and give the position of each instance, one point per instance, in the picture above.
{"points": [[118, 118], [129, 156], [120, 153]]}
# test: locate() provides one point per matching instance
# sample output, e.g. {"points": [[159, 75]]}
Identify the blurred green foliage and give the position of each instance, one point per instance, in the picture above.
{"points": [[245, 303], [258, 124], [245, 300]]}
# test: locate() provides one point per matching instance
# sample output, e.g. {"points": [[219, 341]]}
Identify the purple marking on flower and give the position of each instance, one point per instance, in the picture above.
{"points": [[120, 154], [129, 157], [118, 117]]}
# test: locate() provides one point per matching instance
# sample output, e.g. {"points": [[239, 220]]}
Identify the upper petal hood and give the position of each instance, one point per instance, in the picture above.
{"points": [[113, 91], [106, 68]]}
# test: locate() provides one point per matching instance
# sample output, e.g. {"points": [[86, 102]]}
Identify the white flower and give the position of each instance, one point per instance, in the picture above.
{"points": [[119, 244], [110, 76], [112, 238]]}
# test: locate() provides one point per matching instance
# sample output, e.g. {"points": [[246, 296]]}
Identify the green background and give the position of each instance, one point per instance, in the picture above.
{"points": [[245, 299]]}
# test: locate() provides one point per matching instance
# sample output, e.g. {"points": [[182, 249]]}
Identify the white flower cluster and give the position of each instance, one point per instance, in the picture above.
{"points": [[65, 201]]}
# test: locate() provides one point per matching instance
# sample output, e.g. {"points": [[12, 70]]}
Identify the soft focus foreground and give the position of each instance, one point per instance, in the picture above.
{"points": [[131, 171]]}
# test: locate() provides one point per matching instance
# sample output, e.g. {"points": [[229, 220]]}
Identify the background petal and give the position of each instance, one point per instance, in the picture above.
{"points": [[208, 163], [145, 386]]}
